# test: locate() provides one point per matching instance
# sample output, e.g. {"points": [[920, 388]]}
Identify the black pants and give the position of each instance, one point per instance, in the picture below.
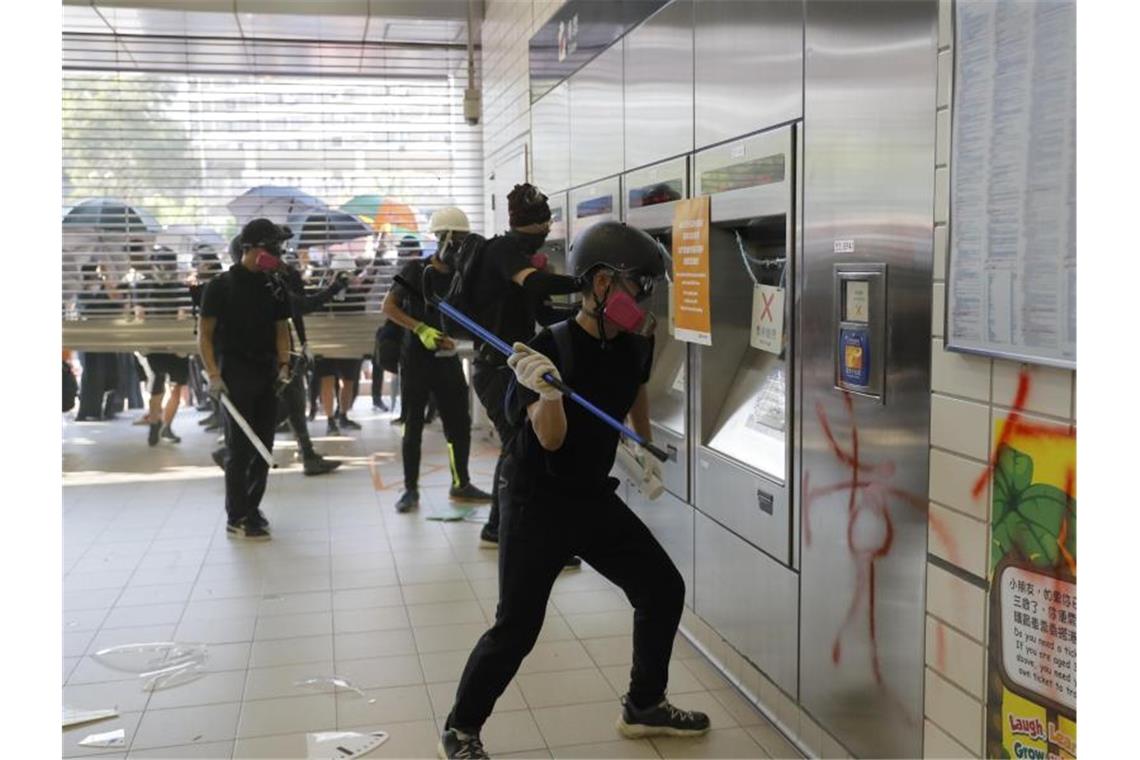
{"points": [[443, 379], [97, 385], [251, 390], [491, 381], [291, 406], [536, 538]]}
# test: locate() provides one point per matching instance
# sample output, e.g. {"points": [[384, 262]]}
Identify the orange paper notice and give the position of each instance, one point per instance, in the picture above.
{"points": [[691, 271]]}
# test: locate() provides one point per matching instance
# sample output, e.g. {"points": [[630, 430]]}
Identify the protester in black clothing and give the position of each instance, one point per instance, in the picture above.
{"points": [[430, 366], [162, 295], [243, 339], [512, 295], [560, 500], [100, 379]]}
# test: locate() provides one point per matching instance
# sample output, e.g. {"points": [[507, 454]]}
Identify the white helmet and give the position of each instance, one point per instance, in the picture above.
{"points": [[449, 218]]}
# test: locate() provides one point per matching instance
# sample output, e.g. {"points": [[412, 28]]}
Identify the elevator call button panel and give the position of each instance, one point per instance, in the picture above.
{"points": [[860, 328]]}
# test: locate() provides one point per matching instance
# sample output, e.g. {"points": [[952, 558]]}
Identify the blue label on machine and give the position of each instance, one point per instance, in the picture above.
{"points": [[855, 356]]}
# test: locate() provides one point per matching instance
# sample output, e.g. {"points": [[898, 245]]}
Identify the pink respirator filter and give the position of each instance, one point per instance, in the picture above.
{"points": [[624, 312]]}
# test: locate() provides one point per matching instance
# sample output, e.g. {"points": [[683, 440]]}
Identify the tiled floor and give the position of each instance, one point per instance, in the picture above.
{"points": [[347, 586]]}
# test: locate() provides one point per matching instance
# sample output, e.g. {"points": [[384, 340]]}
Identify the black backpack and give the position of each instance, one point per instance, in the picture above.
{"points": [[461, 294]]}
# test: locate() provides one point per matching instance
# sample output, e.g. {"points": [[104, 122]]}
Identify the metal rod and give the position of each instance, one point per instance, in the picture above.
{"points": [[245, 428], [502, 347]]}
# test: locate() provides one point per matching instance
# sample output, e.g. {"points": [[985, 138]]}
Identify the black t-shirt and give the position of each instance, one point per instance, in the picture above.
{"points": [[610, 379], [421, 274], [247, 310], [501, 304]]}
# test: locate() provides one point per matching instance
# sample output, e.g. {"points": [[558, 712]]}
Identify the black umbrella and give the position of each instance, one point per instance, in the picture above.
{"points": [[319, 229]]}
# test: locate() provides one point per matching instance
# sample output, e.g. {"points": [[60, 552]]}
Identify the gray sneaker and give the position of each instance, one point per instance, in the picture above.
{"points": [[454, 743], [663, 719]]}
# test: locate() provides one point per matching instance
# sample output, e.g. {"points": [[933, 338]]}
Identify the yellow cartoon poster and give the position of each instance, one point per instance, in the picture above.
{"points": [[1032, 675]]}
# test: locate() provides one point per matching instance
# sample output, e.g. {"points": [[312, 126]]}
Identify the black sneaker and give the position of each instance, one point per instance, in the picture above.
{"points": [[573, 563], [381, 408], [348, 424], [333, 428], [261, 521], [169, 434], [454, 743], [153, 433], [250, 531], [219, 457], [318, 465], [489, 537], [408, 501], [469, 493], [663, 719]]}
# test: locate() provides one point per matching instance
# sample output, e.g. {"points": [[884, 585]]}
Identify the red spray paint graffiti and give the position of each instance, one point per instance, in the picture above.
{"points": [[869, 532]]}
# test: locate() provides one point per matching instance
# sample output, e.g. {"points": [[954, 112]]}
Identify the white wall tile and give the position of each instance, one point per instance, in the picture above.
{"points": [[1050, 389], [953, 600], [942, 138], [941, 246], [952, 480], [958, 539], [959, 426], [941, 195], [945, 23], [936, 743], [959, 374], [956, 657], [938, 309], [945, 77], [954, 711]]}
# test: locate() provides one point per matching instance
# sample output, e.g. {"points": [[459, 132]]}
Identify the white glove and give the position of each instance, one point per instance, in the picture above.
{"points": [[307, 353], [648, 471], [529, 367], [216, 388]]}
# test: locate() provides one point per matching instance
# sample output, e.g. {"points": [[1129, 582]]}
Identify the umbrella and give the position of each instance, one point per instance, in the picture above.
{"points": [[364, 206], [320, 229], [187, 239], [385, 214], [107, 231], [274, 202]]}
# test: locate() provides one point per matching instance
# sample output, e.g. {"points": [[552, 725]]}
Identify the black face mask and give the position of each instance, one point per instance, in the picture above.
{"points": [[532, 240]]}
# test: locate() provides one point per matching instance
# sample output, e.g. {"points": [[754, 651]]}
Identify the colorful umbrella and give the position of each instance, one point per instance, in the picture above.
{"points": [[384, 213]]}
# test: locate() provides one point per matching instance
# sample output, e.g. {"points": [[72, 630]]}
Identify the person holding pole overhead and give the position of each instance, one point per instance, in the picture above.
{"points": [[558, 498], [243, 338]]}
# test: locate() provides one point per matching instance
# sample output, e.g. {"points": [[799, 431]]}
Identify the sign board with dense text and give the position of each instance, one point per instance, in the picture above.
{"points": [[691, 312]]}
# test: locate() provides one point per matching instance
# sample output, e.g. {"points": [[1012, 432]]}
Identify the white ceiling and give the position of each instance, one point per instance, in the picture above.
{"points": [[424, 21]]}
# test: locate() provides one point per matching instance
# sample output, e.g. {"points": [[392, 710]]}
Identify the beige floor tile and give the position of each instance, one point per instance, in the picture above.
{"points": [[382, 672], [211, 689], [356, 646], [555, 628], [172, 593], [289, 651], [681, 680], [442, 697], [207, 751], [125, 696], [272, 605], [75, 642], [429, 593], [150, 614], [218, 631], [293, 626], [448, 638], [266, 717], [413, 739], [228, 656], [556, 655], [722, 743], [216, 609], [625, 749], [775, 743], [280, 681], [590, 601], [443, 666], [610, 650], [431, 574], [578, 724], [743, 711], [592, 625], [446, 613], [566, 687], [187, 725], [365, 598], [511, 731], [282, 747], [400, 704], [370, 619], [709, 676]]}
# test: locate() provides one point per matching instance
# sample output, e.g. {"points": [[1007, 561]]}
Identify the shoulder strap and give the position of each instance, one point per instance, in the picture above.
{"points": [[561, 333]]}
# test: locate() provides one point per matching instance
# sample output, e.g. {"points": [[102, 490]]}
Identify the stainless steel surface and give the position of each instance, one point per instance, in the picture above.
{"points": [[671, 521], [596, 197], [596, 118], [753, 507], [659, 86], [748, 65], [550, 135], [668, 383], [766, 198], [751, 600], [870, 81], [556, 241]]}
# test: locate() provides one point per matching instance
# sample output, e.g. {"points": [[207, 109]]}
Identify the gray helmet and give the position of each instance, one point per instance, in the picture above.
{"points": [[617, 246]]}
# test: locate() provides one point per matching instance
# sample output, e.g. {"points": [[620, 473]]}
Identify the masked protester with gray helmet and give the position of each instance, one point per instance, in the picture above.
{"points": [[512, 288], [243, 338], [559, 499]]}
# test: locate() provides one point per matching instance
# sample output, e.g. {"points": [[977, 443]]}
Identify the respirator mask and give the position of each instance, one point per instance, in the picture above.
{"points": [[268, 259], [625, 311]]}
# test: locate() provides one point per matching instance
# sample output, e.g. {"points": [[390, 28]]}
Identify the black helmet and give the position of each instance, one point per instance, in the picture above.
{"points": [[617, 246], [264, 233]]}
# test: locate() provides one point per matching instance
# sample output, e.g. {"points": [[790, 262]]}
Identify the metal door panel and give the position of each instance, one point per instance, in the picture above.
{"points": [[659, 86], [550, 135], [671, 521], [869, 121], [673, 175], [749, 598], [768, 199], [596, 131], [748, 66], [752, 506], [584, 201]]}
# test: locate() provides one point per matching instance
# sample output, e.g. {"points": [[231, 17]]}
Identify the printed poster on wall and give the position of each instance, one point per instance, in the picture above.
{"points": [[1032, 673], [692, 318]]}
